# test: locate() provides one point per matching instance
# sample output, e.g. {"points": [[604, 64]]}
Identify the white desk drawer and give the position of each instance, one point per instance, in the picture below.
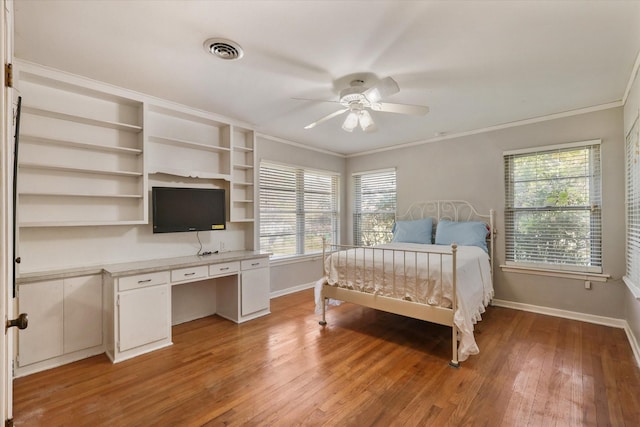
{"points": [[224, 269], [250, 264], [189, 273], [143, 280]]}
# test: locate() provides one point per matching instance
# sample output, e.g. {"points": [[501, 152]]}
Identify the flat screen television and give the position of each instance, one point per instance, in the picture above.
{"points": [[177, 209]]}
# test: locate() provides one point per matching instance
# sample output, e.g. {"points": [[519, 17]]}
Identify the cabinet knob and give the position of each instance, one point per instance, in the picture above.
{"points": [[21, 322]]}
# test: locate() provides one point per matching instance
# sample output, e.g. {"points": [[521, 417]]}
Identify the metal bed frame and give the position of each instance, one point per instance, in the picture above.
{"points": [[453, 210]]}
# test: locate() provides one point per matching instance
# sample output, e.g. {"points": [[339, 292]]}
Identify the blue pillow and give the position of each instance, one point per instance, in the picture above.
{"points": [[417, 231], [468, 233]]}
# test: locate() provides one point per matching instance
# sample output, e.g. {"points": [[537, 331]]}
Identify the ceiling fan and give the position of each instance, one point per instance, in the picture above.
{"points": [[357, 99]]}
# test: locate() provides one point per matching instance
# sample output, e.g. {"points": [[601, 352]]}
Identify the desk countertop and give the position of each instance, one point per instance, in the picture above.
{"points": [[144, 266]]}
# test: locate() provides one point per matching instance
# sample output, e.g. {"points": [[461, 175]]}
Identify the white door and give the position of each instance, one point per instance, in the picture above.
{"points": [[6, 224]]}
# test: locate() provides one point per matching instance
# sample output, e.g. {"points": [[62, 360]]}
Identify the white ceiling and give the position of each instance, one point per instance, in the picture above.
{"points": [[476, 64]]}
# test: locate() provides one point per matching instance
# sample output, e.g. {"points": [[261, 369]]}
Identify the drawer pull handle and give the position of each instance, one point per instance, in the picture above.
{"points": [[144, 281], [253, 264], [189, 274], [224, 268]]}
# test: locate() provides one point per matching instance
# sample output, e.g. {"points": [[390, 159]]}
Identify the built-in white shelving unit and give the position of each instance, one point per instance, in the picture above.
{"points": [[87, 150], [80, 154], [242, 198], [187, 143]]}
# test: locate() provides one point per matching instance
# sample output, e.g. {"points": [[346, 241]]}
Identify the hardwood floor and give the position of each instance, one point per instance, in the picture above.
{"points": [[364, 368]]}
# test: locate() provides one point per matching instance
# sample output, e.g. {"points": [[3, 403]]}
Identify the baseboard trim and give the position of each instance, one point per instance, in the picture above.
{"points": [[633, 342], [572, 315], [292, 290]]}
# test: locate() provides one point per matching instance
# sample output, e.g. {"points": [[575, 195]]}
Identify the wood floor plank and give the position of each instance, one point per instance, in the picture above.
{"points": [[364, 368]]}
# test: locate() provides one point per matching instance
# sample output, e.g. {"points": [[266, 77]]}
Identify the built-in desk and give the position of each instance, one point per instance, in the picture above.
{"points": [[137, 296]]}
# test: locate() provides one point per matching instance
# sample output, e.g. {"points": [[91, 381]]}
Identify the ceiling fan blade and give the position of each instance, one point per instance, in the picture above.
{"points": [[385, 87], [325, 118], [317, 100], [371, 128], [388, 107]]}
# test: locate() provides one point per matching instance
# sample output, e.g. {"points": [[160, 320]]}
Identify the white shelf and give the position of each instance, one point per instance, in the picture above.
{"points": [[190, 174], [43, 166], [190, 144], [83, 145], [244, 167], [243, 184], [81, 119], [109, 196], [244, 149], [77, 223], [243, 201]]}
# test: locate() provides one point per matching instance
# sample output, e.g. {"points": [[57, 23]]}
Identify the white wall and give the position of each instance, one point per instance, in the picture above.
{"points": [[471, 168]]}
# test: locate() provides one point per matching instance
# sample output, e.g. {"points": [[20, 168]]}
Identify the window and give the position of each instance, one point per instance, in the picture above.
{"points": [[553, 207], [632, 155], [298, 207], [374, 209]]}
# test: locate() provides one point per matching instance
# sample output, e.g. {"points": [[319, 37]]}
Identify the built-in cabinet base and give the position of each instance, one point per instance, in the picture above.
{"points": [[137, 297], [126, 310], [65, 322]]}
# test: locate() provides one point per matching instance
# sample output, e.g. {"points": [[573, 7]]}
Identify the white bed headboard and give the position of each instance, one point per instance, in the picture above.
{"points": [[453, 210]]}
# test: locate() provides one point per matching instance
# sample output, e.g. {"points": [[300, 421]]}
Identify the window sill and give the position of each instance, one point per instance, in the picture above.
{"points": [[635, 290], [577, 275]]}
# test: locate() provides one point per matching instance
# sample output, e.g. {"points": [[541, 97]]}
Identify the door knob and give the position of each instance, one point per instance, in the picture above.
{"points": [[21, 322]]}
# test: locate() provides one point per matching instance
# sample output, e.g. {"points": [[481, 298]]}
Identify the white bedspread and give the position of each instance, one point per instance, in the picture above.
{"points": [[420, 277]]}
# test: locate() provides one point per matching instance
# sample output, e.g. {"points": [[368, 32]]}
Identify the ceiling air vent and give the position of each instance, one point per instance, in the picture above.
{"points": [[224, 49]]}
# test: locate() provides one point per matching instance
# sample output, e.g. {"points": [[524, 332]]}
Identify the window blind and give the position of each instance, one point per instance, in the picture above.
{"points": [[374, 210], [298, 207], [553, 207], [632, 199]]}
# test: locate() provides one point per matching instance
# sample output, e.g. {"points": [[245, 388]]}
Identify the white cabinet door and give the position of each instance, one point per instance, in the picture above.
{"points": [[82, 313], [254, 291], [42, 340], [144, 316]]}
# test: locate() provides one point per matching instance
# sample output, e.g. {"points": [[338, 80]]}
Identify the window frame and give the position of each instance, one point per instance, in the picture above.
{"points": [[594, 206], [301, 213], [632, 209]]}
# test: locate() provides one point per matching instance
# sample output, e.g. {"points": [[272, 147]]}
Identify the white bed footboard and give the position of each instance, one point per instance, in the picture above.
{"points": [[416, 283]]}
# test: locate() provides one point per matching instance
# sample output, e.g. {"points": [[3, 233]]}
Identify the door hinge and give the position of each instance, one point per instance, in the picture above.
{"points": [[8, 423], [8, 75]]}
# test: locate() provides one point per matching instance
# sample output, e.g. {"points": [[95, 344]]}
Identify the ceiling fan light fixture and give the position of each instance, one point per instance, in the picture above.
{"points": [[358, 99], [351, 122], [366, 121]]}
